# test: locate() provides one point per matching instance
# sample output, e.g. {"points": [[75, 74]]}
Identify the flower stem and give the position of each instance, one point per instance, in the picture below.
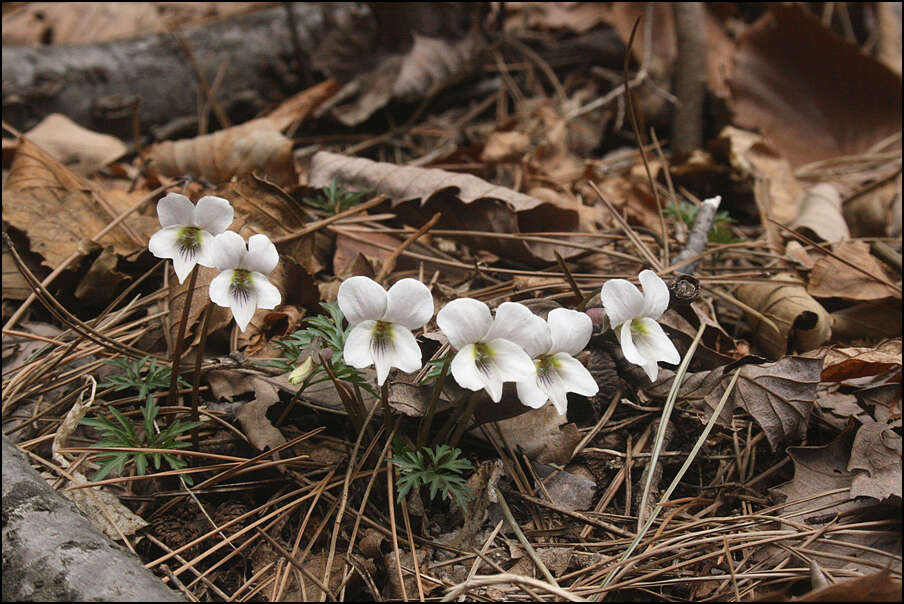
{"points": [[180, 338], [464, 418], [427, 421], [196, 382]]}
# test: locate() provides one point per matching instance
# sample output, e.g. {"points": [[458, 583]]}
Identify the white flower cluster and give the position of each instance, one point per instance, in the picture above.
{"points": [[196, 234], [514, 346]]}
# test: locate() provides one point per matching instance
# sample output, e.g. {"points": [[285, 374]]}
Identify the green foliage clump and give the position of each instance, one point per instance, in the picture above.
{"points": [[334, 198], [134, 375], [439, 469], [719, 232]]}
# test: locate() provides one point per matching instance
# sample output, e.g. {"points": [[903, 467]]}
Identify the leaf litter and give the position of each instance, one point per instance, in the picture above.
{"points": [[498, 135]]}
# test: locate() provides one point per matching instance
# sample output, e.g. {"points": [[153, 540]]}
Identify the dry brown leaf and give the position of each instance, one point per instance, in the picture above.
{"points": [[813, 94], [14, 285], [176, 297], [253, 146], [482, 484], [836, 409], [759, 162], [418, 193], [803, 324], [779, 396], [832, 278], [817, 472], [566, 489], [86, 22], [543, 434], [58, 210], [840, 364], [820, 215], [877, 319], [556, 559], [877, 453], [577, 17], [102, 282], [505, 146], [875, 587], [81, 150]]}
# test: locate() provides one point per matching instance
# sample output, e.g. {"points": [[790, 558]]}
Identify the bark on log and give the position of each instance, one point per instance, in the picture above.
{"points": [[97, 85], [52, 553]]}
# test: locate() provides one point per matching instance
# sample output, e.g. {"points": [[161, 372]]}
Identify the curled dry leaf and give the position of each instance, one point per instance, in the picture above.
{"points": [[820, 215], [874, 587], [418, 193], [840, 364], [813, 94], [799, 323], [779, 396], [876, 453], [217, 157], [58, 210], [81, 150], [874, 320], [832, 278]]}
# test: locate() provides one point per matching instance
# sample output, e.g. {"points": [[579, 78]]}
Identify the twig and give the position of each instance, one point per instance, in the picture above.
{"points": [[699, 234], [629, 232], [690, 76], [318, 224], [391, 261]]}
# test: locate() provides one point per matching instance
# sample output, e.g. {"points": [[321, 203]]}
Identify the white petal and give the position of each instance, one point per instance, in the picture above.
{"points": [[384, 359], [213, 214], [655, 294], [464, 368], [569, 330], [183, 265], [516, 323], [407, 352], [219, 288], [207, 254], [163, 243], [558, 394], [621, 300], [625, 338], [262, 255], [243, 308], [652, 342], [409, 303], [357, 345], [492, 382], [575, 376], [361, 299], [266, 294], [228, 250], [652, 370], [464, 321], [512, 362], [175, 209], [530, 394]]}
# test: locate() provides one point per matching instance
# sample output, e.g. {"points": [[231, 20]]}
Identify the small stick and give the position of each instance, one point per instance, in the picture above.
{"points": [[391, 261]]}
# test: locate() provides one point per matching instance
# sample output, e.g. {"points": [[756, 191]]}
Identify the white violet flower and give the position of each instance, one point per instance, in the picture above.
{"points": [[552, 344], [187, 236], [382, 323], [242, 284], [633, 316], [486, 357]]}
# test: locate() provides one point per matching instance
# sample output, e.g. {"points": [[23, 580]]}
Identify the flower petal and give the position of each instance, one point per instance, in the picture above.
{"points": [[262, 255], [228, 251], [183, 264], [655, 294], [558, 393], [384, 359], [516, 323], [512, 362], [219, 288], [464, 321], [163, 243], [530, 393], [266, 294], [407, 352], [409, 303], [492, 381], [175, 209], [652, 342], [652, 370], [569, 330], [361, 299], [213, 214], [357, 351], [574, 375], [622, 301], [625, 338], [208, 250], [243, 307], [464, 368]]}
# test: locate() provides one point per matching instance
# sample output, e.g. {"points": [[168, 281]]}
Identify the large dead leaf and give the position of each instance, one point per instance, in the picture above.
{"points": [[876, 319], [798, 322], [813, 94], [840, 364], [58, 210], [466, 202], [386, 51], [832, 278], [875, 587], [543, 434], [876, 459], [820, 214], [779, 396], [81, 150]]}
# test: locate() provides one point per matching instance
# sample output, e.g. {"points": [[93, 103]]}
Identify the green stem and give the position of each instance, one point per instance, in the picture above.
{"points": [[180, 338], [196, 383], [427, 421], [464, 418]]}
